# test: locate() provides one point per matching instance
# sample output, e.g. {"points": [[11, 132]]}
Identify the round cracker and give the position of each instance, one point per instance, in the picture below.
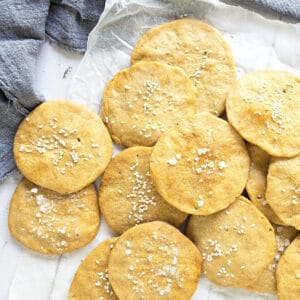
{"points": [[154, 261], [53, 223], [127, 195], [143, 101], [266, 282], [197, 48], [91, 278], [264, 107], [283, 189], [236, 244], [288, 272], [62, 146], [257, 182], [200, 167]]}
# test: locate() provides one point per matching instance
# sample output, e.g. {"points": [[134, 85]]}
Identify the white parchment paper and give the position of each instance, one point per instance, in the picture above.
{"points": [[257, 43]]}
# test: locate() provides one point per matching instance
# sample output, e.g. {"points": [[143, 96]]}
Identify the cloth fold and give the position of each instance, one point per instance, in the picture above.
{"points": [[24, 24], [288, 9]]}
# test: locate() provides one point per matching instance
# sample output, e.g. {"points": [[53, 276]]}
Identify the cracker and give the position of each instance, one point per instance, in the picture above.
{"points": [[91, 278], [154, 261], [62, 146], [288, 272], [127, 195], [236, 244], [200, 167], [143, 101], [197, 48], [53, 223], [264, 107], [266, 282], [257, 182], [283, 189]]}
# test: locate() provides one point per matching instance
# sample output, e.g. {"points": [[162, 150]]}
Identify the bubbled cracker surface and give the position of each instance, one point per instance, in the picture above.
{"points": [[283, 189], [266, 281], [200, 167], [127, 195], [236, 244], [200, 50], [154, 261], [257, 182], [264, 107], [91, 279], [141, 102], [62, 146], [52, 223], [288, 272]]}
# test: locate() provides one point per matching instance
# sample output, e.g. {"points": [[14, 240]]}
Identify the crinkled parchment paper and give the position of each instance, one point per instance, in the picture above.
{"points": [[257, 43]]}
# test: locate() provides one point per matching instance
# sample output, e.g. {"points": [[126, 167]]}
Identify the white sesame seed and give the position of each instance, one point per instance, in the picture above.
{"points": [[34, 190], [202, 151], [172, 161], [222, 165]]}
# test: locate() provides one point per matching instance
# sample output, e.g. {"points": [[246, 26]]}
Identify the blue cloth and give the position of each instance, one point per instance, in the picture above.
{"points": [[288, 10], [24, 24]]}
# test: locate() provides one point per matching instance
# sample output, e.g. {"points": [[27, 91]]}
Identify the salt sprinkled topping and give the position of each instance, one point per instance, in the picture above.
{"points": [[63, 144], [161, 276], [222, 165], [298, 275], [34, 190], [172, 161], [142, 195], [202, 151], [44, 222], [103, 282]]}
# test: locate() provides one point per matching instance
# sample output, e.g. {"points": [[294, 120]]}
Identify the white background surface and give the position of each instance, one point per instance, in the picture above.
{"points": [[30, 276]]}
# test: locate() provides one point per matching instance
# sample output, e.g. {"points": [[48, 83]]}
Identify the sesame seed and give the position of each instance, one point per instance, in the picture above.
{"points": [[34, 190], [202, 151], [222, 165], [172, 161]]}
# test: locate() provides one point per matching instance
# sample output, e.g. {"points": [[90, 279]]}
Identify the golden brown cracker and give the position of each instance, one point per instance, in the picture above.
{"points": [[266, 282], [257, 182], [62, 146], [91, 279], [236, 244], [53, 223], [127, 195], [200, 50], [264, 107], [143, 101], [288, 272], [154, 261], [200, 166]]}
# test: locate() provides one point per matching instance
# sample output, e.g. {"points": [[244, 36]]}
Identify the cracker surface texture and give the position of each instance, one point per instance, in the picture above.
{"points": [[53, 223], [264, 107], [200, 166], [283, 189], [154, 261], [266, 282], [62, 146], [257, 182], [200, 50], [91, 279], [288, 272], [143, 101], [127, 195], [236, 244]]}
